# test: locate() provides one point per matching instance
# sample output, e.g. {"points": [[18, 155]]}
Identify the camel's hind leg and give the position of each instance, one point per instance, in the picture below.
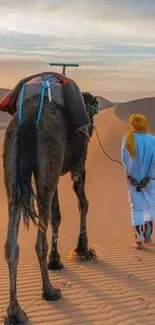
{"points": [[46, 179], [15, 315], [54, 257]]}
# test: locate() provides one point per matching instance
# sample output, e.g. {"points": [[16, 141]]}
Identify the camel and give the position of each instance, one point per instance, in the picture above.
{"points": [[45, 153]]}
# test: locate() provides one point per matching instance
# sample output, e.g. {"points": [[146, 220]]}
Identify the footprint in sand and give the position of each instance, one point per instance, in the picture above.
{"points": [[146, 305]]}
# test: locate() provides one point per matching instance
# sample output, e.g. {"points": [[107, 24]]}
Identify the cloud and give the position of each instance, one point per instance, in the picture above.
{"points": [[80, 19], [112, 40]]}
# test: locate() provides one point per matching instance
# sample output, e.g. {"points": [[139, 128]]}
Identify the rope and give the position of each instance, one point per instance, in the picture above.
{"points": [[114, 160], [45, 85]]}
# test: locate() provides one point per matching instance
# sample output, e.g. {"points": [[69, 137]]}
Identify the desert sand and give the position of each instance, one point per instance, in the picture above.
{"points": [[118, 287]]}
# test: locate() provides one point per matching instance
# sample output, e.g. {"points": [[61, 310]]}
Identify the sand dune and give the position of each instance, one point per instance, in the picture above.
{"points": [[116, 288], [4, 117], [3, 92], [144, 106], [104, 103]]}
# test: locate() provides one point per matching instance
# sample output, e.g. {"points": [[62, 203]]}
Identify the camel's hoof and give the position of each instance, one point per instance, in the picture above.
{"points": [[55, 265], [19, 318], [88, 255], [54, 262], [54, 294]]}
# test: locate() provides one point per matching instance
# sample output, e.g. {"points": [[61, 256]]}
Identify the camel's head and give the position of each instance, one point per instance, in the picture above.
{"points": [[91, 104]]}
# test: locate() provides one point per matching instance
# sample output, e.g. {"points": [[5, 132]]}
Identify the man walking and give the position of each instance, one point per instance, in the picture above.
{"points": [[138, 157]]}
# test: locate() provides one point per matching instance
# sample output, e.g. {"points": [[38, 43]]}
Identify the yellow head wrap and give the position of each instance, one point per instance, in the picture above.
{"points": [[141, 125]]}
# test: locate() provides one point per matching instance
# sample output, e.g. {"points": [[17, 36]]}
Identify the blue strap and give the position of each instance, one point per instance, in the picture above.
{"points": [[52, 79], [20, 110], [41, 103], [44, 87]]}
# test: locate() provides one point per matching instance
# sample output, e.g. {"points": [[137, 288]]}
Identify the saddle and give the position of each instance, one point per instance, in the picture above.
{"points": [[61, 89], [139, 186]]}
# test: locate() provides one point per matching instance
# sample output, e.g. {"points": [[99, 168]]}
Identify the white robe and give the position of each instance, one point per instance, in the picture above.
{"points": [[142, 203]]}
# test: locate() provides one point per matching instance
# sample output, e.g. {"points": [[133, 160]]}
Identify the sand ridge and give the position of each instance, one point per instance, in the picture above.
{"points": [[118, 287]]}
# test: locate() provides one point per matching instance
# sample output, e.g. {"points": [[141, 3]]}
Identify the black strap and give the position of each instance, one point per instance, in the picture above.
{"points": [[139, 186]]}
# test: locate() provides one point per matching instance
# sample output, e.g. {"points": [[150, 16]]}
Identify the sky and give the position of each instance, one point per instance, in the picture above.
{"points": [[113, 41]]}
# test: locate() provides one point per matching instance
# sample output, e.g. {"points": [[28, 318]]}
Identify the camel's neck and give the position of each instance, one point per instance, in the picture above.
{"points": [[91, 127]]}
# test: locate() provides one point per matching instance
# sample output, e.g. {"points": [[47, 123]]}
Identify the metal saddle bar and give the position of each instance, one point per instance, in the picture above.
{"points": [[64, 65]]}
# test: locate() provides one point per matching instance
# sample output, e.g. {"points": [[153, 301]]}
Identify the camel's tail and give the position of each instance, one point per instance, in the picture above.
{"points": [[26, 159]]}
